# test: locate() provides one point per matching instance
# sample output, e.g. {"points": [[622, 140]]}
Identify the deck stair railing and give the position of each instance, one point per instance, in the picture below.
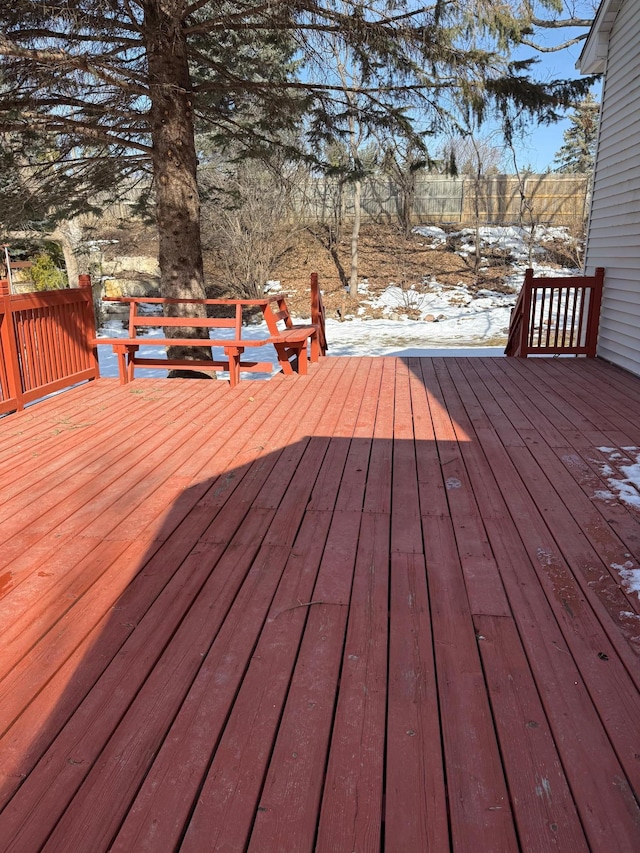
{"points": [[45, 342], [556, 316]]}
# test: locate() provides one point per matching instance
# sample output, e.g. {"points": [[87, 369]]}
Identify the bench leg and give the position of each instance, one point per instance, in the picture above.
{"points": [[125, 354], [302, 359], [315, 348], [233, 354], [283, 359]]}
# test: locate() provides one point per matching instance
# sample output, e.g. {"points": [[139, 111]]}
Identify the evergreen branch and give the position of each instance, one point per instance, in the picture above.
{"points": [[60, 124], [225, 21], [56, 57], [237, 84], [56, 35]]}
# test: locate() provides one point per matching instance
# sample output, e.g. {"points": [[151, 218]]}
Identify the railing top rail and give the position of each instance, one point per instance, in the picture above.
{"points": [[169, 300], [532, 281]]}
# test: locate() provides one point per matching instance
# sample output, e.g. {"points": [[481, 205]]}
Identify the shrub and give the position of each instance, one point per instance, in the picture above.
{"points": [[46, 275]]}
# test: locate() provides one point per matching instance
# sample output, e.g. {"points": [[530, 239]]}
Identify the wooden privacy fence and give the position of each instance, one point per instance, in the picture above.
{"points": [[556, 316], [550, 199], [45, 342]]}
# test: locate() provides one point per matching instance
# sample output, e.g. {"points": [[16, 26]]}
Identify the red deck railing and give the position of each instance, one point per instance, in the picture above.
{"points": [[45, 343], [556, 316]]}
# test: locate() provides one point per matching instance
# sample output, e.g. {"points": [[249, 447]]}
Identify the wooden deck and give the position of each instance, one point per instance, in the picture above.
{"points": [[382, 607]]}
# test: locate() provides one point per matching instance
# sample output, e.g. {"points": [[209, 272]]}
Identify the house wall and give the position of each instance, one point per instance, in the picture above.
{"points": [[614, 228]]}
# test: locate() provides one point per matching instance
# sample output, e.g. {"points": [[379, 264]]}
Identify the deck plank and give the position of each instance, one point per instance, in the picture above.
{"points": [[352, 804]]}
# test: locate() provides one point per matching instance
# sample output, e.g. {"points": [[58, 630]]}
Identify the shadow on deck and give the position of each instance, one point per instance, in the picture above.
{"points": [[388, 606]]}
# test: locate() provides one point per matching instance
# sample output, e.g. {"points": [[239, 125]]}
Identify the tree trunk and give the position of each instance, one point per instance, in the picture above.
{"points": [[408, 196], [174, 168], [69, 246], [355, 238]]}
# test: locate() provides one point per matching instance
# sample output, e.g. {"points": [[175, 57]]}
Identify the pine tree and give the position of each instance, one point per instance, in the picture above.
{"points": [[579, 149], [112, 88]]}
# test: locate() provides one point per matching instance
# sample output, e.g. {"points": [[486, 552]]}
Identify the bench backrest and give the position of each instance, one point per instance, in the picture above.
{"points": [[317, 312], [284, 321], [138, 320]]}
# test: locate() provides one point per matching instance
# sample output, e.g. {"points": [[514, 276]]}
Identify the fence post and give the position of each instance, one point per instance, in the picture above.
{"points": [[9, 347], [89, 320]]}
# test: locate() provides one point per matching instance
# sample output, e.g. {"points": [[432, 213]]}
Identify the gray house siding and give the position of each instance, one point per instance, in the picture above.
{"points": [[614, 227]]}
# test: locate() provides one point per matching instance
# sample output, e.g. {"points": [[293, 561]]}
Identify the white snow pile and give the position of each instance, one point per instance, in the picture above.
{"points": [[436, 236], [630, 576], [622, 475], [446, 316], [520, 243]]}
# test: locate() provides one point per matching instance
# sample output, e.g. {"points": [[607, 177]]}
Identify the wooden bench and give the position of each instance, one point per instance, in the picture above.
{"points": [[290, 341]]}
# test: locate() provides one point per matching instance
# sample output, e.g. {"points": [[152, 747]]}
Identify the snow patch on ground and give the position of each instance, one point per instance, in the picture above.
{"points": [[437, 236]]}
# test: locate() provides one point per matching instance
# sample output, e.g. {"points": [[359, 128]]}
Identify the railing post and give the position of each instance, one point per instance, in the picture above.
{"points": [[89, 320], [10, 348], [593, 321], [526, 313]]}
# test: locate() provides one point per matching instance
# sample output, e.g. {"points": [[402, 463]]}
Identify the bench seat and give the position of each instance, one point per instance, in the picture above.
{"points": [[290, 341]]}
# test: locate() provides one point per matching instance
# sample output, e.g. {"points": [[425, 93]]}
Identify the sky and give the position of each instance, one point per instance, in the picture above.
{"points": [[539, 148]]}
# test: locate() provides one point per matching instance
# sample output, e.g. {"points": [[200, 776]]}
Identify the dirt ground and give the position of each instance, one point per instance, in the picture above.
{"points": [[385, 257]]}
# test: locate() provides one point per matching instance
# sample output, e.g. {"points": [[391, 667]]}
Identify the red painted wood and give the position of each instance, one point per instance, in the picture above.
{"points": [[51, 332], [378, 488], [354, 479], [556, 315], [480, 813], [325, 491], [352, 804], [163, 666], [540, 796], [571, 746], [482, 579], [290, 342], [287, 815], [406, 529], [598, 785], [228, 798], [574, 521], [416, 798], [589, 572]]}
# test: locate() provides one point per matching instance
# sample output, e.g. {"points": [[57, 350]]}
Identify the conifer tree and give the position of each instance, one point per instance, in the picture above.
{"points": [[579, 149], [116, 87]]}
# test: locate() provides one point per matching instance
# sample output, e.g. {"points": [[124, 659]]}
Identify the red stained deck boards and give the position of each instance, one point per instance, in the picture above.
{"points": [[372, 608]]}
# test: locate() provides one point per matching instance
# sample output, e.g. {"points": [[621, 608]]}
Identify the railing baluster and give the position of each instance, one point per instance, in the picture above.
{"points": [[569, 307], [580, 327], [549, 319]]}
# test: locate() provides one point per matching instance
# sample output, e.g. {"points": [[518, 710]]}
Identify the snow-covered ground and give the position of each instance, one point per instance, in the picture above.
{"points": [[447, 320]]}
